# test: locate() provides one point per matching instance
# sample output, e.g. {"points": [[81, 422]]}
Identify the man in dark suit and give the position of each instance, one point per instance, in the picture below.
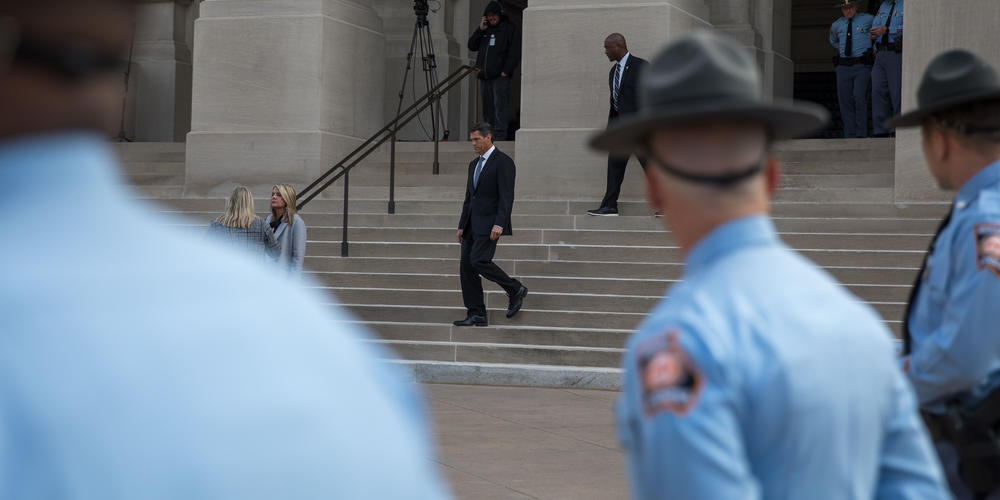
{"points": [[489, 199], [623, 82]]}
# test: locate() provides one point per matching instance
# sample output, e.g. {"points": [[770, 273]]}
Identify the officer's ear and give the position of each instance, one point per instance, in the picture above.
{"points": [[772, 172]]}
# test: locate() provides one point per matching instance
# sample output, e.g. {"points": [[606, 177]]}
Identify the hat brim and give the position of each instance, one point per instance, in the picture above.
{"points": [[848, 4], [916, 117], [783, 118]]}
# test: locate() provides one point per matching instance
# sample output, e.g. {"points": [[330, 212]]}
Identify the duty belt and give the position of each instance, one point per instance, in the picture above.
{"points": [[975, 434], [896, 46]]}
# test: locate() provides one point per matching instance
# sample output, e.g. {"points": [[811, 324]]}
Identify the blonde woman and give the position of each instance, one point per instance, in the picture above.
{"points": [[288, 228], [240, 227]]}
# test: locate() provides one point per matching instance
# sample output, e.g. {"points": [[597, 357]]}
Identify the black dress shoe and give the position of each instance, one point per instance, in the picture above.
{"points": [[516, 301], [471, 320], [604, 211]]}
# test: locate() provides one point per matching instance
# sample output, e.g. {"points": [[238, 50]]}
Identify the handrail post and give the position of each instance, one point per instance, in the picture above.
{"points": [[343, 244], [435, 99], [392, 172]]}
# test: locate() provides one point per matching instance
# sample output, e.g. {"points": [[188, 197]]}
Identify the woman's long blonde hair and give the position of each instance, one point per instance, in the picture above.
{"points": [[287, 193], [239, 209]]}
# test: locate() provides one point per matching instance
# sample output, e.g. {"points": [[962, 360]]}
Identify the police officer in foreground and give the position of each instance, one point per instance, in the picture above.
{"points": [[887, 74], [849, 35], [951, 328], [133, 363], [760, 377]]}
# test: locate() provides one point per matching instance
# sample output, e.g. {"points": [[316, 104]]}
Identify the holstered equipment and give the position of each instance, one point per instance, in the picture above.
{"points": [[973, 431]]}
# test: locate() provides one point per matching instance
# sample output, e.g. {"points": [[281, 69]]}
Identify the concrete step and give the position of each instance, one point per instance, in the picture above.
{"points": [[497, 317], [835, 195], [497, 299], [446, 372], [505, 353], [446, 332], [130, 152], [864, 275], [562, 284], [822, 181], [819, 166]]}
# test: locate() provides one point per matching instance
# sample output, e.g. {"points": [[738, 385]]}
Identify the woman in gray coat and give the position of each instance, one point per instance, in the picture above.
{"points": [[289, 229], [241, 229]]}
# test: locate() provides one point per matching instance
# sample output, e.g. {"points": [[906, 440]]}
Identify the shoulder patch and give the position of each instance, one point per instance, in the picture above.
{"points": [[988, 247], [670, 380]]}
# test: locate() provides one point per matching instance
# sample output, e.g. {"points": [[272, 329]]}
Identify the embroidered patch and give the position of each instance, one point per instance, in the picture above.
{"points": [[670, 380], [988, 247]]}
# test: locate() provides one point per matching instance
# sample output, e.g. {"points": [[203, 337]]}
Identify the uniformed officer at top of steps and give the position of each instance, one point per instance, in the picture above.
{"points": [[887, 73], [853, 66], [951, 328], [135, 360], [760, 377]]}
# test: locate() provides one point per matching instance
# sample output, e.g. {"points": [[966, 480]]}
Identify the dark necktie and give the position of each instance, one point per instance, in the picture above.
{"points": [[888, 21], [849, 44], [479, 170], [907, 338], [614, 85]]}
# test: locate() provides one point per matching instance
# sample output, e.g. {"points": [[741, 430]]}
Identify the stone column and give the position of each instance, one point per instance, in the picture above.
{"points": [[764, 27], [281, 90], [565, 86], [160, 81], [931, 28]]}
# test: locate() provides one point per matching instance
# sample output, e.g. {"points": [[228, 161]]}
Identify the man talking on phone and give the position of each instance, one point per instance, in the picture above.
{"points": [[498, 44]]}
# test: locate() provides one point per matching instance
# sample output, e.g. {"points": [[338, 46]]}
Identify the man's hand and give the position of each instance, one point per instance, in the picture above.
{"points": [[496, 232], [503, 74], [459, 236], [877, 31], [483, 24]]}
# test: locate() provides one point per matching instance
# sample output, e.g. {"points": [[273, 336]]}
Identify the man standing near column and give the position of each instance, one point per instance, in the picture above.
{"points": [[849, 35], [489, 200], [951, 328], [623, 81], [498, 44], [760, 377], [887, 74]]}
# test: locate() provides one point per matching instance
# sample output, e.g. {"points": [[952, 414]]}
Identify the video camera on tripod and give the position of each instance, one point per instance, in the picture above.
{"points": [[421, 9]]}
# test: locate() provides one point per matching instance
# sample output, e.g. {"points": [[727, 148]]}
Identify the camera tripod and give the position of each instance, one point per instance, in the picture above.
{"points": [[422, 39]]}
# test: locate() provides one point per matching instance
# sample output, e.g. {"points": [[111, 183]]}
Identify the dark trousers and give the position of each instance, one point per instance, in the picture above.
{"points": [[495, 93], [616, 174], [477, 260], [887, 82], [852, 92]]}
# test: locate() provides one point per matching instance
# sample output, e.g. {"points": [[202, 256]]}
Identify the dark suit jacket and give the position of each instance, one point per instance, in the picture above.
{"points": [[490, 203], [628, 93]]}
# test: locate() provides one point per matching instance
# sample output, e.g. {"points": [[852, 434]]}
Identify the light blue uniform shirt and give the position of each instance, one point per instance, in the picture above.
{"points": [[895, 25], [141, 362], [954, 325], [760, 377], [861, 41]]}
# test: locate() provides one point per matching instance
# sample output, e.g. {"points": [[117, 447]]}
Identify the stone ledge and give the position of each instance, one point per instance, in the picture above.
{"points": [[439, 372]]}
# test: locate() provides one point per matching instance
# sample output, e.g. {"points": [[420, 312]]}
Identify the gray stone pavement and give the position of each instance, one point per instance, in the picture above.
{"points": [[521, 443]]}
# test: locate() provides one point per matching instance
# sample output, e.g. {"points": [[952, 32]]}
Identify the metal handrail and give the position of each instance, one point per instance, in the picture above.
{"points": [[343, 167]]}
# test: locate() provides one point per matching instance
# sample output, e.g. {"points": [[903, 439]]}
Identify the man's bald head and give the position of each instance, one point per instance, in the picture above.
{"points": [[615, 47], [59, 64]]}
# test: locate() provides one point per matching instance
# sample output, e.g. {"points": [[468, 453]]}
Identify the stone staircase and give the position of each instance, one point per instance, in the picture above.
{"points": [[591, 279]]}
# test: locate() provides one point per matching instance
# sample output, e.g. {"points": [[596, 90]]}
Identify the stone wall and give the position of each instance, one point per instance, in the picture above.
{"points": [[931, 28]]}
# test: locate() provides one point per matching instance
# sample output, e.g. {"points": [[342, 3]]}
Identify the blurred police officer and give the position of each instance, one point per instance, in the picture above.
{"points": [[887, 74], [760, 377], [135, 361], [849, 35], [951, 331], [498, 43]]}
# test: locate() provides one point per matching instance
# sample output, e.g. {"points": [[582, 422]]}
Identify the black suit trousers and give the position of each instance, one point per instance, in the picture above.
{"points": [[477, 260], [616, 174]]}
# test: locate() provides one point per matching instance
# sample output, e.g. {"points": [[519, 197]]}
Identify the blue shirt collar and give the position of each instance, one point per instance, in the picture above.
{"points": [[66, 165], [730, 237], [989, 176]]}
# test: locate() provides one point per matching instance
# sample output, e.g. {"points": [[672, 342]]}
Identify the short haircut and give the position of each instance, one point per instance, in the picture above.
{"points": [[977, 124], [484, 129]]}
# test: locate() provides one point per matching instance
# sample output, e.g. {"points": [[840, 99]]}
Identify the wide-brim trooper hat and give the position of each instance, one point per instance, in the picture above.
{"points": [[952, 79], [702, 77], [847, 3]]}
